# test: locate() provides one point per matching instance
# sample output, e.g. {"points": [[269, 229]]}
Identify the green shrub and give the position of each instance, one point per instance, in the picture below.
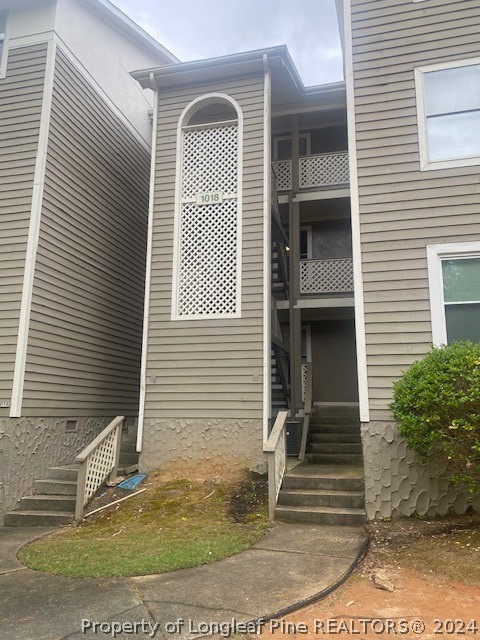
{"points": [[437, 408]]}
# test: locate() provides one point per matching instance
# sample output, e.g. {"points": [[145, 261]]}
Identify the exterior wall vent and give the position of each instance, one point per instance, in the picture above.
{"points": [[71, 426]]}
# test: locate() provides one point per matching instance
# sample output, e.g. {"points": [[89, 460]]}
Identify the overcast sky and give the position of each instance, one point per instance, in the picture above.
{"points": [[195, 29]]}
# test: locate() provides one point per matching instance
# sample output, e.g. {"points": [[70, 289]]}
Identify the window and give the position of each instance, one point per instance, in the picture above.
{"points": [[305, 243], [454, 280], [208, 245], [448, 105]]}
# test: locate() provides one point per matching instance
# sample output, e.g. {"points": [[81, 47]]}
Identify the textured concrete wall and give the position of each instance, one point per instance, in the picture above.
{"points": [[398, 484], [200, 446], [29, 446]]}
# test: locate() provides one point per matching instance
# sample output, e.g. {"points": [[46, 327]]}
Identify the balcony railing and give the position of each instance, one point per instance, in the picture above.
{"points": [[326, 276], [322, 170]]}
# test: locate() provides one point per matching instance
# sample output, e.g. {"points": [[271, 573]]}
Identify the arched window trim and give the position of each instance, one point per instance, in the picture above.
{"points": [[186, 114]]}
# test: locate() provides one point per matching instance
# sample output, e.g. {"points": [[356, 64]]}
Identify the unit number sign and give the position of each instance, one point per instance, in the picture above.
{"points": [[209, 197]]}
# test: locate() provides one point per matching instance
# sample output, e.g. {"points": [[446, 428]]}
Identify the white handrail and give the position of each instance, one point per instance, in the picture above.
{"points": [[276, 450], [98, 460]]}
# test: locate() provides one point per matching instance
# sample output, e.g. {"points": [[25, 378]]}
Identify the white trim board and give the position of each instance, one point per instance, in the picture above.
{"points": [[267, 248], [33, 235], [363, 392]]}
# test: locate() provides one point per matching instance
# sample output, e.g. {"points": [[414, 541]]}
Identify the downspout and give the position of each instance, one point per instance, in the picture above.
{"points": [[267, 247], [148, 268]]}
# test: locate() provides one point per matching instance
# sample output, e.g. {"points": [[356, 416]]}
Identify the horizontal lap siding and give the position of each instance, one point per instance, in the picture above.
{"points": [[403, 209], [207, 368], [86, 327], [21, 94]]}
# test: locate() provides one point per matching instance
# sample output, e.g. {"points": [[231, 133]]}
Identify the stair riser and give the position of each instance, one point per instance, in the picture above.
{"points": [[334, 458], [32, 503], [334, 428], [43, 487], [337, 448], [63, 474], [323, 484], [334, 438], [18, 519], [126, 459], [337, 501], [320, 518], [347, 420]]}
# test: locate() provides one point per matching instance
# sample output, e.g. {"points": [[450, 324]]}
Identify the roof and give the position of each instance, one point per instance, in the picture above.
{"points": [[129, 28], [287, 85]]}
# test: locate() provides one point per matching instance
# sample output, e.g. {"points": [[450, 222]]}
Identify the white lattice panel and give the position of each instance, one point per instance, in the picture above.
{"points": [[208, 259], [207, 262], [100, 463], [324, 170], [326, 276], [210, 160], [283, 174]]}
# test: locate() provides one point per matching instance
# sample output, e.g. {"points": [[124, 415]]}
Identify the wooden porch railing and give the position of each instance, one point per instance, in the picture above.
{"points": [[98, 461], [307, 409], [276, 450]]}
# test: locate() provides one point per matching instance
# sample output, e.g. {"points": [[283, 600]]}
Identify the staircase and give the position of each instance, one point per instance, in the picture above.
{"points": [[53, 500], [328, 487]]}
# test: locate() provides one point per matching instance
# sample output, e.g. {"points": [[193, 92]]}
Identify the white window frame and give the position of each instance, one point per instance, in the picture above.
{"points": [[4, 53], [435, 254], [425, 163], [189, 110]]}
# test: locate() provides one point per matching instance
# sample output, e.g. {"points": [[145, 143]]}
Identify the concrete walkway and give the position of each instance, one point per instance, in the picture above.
{"points": [[290, 566]]}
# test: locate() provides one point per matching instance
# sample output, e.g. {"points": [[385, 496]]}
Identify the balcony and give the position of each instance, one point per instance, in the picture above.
{"points": [[322, 170], [326, 276]]}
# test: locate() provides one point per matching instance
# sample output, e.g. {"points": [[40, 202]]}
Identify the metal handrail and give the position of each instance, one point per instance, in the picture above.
{"points": [[88, 483], [307, 410]]}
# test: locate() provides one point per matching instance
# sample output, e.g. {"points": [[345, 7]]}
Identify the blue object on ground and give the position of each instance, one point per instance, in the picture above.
{"points": [[131, 483]]}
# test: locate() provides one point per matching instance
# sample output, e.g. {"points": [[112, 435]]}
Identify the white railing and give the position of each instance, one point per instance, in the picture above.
{"points": [[98, 461], [326, 276], [324, 170], [283, 173], [276, 450], [321, 170]]}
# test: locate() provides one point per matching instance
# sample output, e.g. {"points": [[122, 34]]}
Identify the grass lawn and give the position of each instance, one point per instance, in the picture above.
{"points": [[172, 525]]}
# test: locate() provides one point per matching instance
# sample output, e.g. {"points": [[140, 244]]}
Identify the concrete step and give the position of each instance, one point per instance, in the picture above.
{"points": [[48, 503], [333, 419], [316, 438], [38, 518], [319, 498], [333, 428], [334, 458], [127, 459], [67, 472], [320, 515], [322, 482], [335, 447], [55, 487]]}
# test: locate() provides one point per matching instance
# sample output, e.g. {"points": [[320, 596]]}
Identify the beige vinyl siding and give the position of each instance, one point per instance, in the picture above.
{"points": [[403, 209], [207, 368], [86, 325], [21, 94]]}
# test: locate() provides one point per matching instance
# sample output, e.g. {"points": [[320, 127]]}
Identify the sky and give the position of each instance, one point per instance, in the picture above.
{"points": [[196, 29]]}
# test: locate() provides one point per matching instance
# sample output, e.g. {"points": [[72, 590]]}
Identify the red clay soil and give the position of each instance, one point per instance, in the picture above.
{"points": [[359, 606]]}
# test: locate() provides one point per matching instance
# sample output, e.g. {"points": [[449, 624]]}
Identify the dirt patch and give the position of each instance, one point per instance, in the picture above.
{"points": [[434, 569], [249, 497]]}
